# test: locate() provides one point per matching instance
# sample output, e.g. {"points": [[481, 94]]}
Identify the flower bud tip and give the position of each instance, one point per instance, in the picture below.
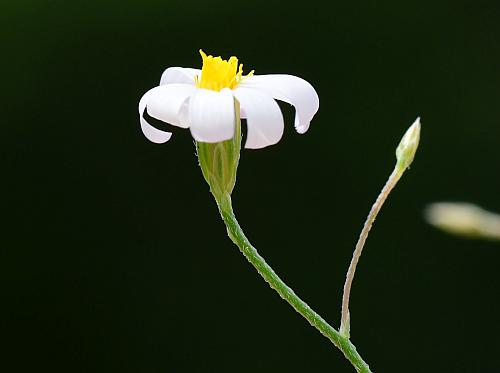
{"points": [[405, 152]]}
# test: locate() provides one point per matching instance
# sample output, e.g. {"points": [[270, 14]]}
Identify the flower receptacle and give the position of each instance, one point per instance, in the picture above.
{"points": [[219, 161]]}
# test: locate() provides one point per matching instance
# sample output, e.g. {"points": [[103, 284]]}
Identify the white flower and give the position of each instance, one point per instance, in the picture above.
{"points": [[203, 101]]}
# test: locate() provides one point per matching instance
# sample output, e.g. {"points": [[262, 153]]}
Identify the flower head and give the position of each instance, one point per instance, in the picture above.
{"points": [[204, 101]]}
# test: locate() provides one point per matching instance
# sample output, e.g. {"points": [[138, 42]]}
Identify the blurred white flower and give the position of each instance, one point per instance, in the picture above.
{"points": [[465, 219], [203, 101]]}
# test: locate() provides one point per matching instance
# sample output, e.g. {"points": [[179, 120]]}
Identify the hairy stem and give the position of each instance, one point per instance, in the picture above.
{"points": [[389, 185], [238, 237]]}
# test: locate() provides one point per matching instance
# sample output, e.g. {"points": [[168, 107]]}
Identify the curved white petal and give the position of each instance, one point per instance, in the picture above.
{"points": [[211, 115], [182, 75], [152, 134], [263, 115], [291, 89], [166, 103]]}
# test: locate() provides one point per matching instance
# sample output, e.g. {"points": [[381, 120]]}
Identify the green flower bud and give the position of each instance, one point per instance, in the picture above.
{"points": [[219, 161], [405, 152]]}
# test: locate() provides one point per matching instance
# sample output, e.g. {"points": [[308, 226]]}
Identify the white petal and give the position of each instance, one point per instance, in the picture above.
{"points": [[153, 134], [211, 115], [291, 89], [167, 101], [183, 75], [263, 115]]}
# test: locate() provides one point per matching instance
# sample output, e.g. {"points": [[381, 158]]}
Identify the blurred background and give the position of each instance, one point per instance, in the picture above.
{"points": [[113, 257]]}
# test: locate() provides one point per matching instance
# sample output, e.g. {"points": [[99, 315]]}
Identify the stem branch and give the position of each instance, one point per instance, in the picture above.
{"points": [[389, 185], [238, 237]]}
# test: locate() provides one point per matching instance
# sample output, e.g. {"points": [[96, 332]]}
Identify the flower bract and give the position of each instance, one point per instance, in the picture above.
{"points": [[203, 101]]}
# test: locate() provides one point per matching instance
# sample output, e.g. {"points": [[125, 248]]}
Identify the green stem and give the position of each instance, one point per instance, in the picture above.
{"points": [[238, 237]]}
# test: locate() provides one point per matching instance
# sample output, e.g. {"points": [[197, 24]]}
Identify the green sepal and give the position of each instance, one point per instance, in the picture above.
{"points": [[219, 161]]}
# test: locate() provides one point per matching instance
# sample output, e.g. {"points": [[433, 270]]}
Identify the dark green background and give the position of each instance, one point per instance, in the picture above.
{"points": [[113, 257]]}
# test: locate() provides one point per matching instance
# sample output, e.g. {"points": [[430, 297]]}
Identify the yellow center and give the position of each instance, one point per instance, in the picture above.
{"points": [[217, 74]]}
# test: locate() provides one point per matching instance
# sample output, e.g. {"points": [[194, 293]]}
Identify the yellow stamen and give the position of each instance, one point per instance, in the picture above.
{"points": [[217, 74]]}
